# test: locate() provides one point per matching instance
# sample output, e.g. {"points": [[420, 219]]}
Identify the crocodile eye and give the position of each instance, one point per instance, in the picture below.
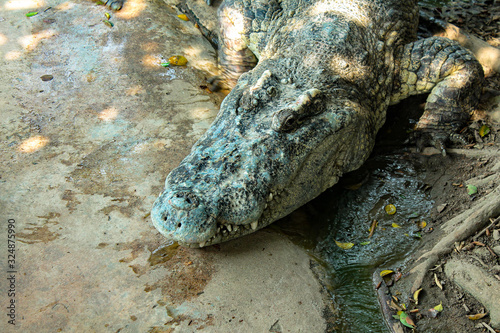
{"points": [[289, 123], [284, 121]]}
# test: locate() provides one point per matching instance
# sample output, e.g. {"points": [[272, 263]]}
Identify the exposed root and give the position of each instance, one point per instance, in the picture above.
{"points": [[458, 228]]}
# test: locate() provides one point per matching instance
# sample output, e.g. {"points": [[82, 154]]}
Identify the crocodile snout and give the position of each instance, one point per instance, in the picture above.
{"points": [[181, 215], [184, 200]]}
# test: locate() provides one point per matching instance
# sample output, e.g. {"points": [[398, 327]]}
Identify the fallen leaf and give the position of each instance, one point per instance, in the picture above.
{"points": [[183, 17], [390, 209], [433, 313], [422, 224], [344, 246], [177, 60], [405, 319], [437, 282], [439, 307], [477, 316], [395, 225], [372, 228], [440, 208], [46, 77], [108, 23], [107, 15], [364, 243], [165, 64], [415, 295], [484, 130], [471, 189], [30, 14], [386, 272]]}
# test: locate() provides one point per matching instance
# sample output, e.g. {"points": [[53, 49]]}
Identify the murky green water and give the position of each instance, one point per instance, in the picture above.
{"points": [[345, 216]]}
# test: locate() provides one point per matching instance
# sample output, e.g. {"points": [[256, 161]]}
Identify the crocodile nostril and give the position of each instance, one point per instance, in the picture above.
{"points": [[179, 225], [184, 200]]}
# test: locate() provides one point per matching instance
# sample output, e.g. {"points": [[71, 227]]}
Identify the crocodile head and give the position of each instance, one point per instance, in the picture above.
{"points": [[273, 146]]}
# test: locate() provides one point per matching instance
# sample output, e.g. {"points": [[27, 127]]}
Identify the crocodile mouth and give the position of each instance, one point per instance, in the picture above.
{"points": [[226, 231]]}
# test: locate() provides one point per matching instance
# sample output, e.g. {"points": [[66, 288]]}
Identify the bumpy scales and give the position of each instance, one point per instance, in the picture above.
{"points": [[312, 83]]}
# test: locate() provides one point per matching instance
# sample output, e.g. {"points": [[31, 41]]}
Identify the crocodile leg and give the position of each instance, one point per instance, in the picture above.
{"points": [[235, 58], [453, 78]]}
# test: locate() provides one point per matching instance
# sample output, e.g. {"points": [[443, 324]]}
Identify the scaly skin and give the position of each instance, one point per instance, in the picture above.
{"points": [[308, 112]]}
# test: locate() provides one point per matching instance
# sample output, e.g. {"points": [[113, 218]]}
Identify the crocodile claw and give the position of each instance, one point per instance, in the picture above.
{"points": [[437, 140]]}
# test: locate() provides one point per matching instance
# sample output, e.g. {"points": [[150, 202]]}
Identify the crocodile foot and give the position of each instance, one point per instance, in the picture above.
{"points": [[438, 140]]}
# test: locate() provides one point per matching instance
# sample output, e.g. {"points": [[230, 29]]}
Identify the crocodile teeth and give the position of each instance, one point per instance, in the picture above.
{"points": [[254, 225], [229, 228], [270, 197], [202, 244]]}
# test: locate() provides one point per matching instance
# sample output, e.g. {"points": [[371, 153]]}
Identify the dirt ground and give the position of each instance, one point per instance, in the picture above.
{"points": [[460, 258]]}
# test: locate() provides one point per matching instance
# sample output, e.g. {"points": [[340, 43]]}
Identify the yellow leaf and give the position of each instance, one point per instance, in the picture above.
{"points": [[477, 316], [439, 307], [395, 225], [390, 209], [177, 60], [183, 17], [344, 246], [386, 272], [437, 282], [415, 295], [422, 224], [484, 130]]}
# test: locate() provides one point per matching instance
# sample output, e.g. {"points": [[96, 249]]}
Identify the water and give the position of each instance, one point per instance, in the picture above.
{"points": [[345, 216]]}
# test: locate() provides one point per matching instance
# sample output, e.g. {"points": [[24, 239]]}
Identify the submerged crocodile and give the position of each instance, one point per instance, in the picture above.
{"points": [[312, 81]]}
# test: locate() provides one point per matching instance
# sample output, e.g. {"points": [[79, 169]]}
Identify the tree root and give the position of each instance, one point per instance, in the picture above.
{"points": [[458, 228]]}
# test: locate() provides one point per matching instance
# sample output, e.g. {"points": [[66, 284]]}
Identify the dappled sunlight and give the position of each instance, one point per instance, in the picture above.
{"points": [[200, 113], [348, 68], [135, 90], [3, 39], [30, 42], [151, 60], [237, 27], [150, 46], [33, 144], [13, 55], [131, 9], [351, 10], [65, 6], [108, 114], [24, 4]]}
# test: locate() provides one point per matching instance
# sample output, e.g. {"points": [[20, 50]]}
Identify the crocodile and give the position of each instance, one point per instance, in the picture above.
{"points": [[311, 82]]}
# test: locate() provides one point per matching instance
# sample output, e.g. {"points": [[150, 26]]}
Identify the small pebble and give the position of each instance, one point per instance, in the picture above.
{"points": [[496, 234]]}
